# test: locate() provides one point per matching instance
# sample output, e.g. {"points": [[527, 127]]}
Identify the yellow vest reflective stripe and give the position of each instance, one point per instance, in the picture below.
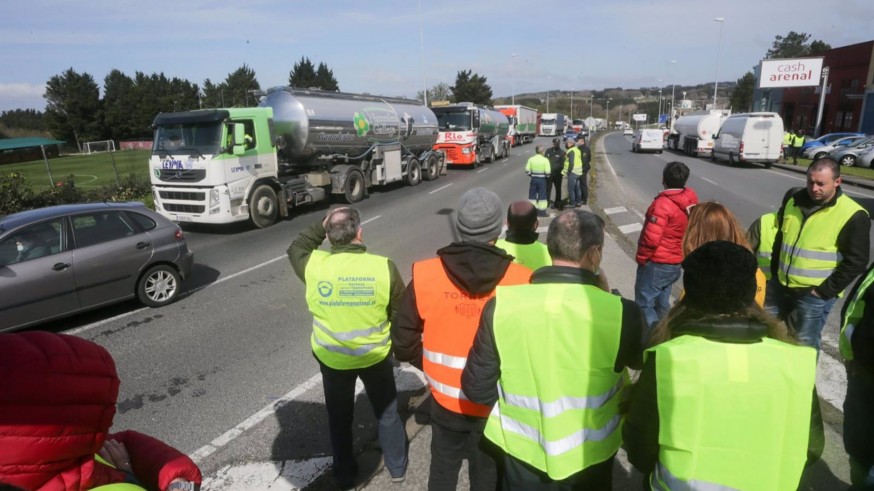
{"points": [[538, 166], [767, 234], [534, 255], [578, 160], [348, 295], [732, 416], [558, 394], [855, 310], [809, 253]]}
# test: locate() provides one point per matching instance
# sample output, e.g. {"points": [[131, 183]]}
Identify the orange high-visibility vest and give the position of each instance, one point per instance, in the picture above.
{"points": [[451, 317]]}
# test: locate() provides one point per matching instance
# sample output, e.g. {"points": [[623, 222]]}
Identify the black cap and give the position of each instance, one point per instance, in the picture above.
{"points": [[556, 140]]}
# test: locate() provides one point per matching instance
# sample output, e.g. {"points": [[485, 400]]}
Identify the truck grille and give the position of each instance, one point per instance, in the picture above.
{"points": [[182, 175], [183, 195], [176, 208], [453, 153]]}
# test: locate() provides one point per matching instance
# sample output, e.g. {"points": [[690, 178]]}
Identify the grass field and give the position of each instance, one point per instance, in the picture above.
{"points": [[89, 171]]}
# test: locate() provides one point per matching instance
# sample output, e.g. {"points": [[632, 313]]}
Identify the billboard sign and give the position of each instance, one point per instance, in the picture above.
{"points": [[639, 117], [790, 72]]}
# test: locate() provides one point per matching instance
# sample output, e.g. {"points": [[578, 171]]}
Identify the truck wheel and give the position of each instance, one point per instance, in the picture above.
{"points": [[263, 208], [159, 286], [477, 159], [768, 165], [354, 187], [731, 162], [491, 156], [431, 170], [414, 172]]}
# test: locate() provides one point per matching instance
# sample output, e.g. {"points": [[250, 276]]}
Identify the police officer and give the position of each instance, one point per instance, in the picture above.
{"points": [[586, 159], [352, 295], [521, 241], [556, 156], [555, 369], [538, 169]]}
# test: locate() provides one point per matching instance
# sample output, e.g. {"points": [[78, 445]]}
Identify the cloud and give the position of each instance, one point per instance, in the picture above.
{"points": [[22, 96]]}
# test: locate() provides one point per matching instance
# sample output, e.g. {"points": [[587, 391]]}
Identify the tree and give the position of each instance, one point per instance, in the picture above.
{"points": [[237, 86], [795, 45], [325, 78], [470, 87], [73, 107], [23, 119], [303, 74], [440, 92], [119, 96], [741, 98]]}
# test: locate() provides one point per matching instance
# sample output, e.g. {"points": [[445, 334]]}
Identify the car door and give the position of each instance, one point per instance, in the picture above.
{"points": [[109, 255], [36, 281]]}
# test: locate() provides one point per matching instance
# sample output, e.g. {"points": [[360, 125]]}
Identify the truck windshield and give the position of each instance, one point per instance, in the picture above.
{"points": [[454, 121], [188, 139], [547, 121]]}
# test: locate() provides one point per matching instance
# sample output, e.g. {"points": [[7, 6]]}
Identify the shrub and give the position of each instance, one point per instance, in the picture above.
{"points": [[19, 197], [15, 192]]}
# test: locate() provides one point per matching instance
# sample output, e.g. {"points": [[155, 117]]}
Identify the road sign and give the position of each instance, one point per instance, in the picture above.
{"points": [[639, 117]]}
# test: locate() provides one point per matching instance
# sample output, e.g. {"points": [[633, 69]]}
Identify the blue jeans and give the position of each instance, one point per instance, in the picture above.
{"points": [[804, 314], [652, 289], [575, 194], [537, 193]]}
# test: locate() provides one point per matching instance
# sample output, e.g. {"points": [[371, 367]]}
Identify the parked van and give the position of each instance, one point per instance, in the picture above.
{"points": [[649, 139], [749, 137]]}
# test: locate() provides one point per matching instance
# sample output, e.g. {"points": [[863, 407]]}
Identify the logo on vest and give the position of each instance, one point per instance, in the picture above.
{"points": [[468, 309], [325, 288]]}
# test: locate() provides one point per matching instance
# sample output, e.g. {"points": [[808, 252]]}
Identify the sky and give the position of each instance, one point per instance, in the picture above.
{"points": [[395, 48]]}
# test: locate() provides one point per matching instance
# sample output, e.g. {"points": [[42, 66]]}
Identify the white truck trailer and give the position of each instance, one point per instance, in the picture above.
{"points": [[693, 133], [523, 123]]}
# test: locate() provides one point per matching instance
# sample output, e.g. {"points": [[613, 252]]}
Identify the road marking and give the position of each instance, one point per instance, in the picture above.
{"points": [[367, 221], [441, 188], [617, 209], [711, 182], [631, 228], [482, 170]]}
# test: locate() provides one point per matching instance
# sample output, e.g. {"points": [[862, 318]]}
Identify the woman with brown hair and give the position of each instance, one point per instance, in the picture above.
{"points": [[711, 221]]}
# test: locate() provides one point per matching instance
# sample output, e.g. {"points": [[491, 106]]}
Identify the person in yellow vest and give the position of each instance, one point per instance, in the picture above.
{"points": [[797, 143], [538, 169], [857, 348], [353, 296], [551, 357], [787, 144], [434, 330], [725, 395], [821, 248], [573, 170], [761, 234], [521, 241]]}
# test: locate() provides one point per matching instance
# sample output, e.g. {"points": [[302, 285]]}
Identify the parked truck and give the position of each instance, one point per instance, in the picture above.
{"points": [[553, 124], [523, 123], [470, 134], [693, 133], [297, 147]]}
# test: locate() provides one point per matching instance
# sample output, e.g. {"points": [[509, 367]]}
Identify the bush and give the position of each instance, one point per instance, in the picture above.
{"points": [[17, 195], [15, 192]]}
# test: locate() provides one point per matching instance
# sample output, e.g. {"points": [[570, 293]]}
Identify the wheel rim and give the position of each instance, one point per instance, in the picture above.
{"points": [[848, 160], [160, 286], [264, 206], [415, 172]]}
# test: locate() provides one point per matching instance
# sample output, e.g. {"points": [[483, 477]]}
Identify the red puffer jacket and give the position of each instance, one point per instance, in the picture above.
{"points": [[661, 240], [57, 401]]}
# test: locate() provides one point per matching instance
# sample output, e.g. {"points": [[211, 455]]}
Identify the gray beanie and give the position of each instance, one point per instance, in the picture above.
{"points": [[480, 215]]}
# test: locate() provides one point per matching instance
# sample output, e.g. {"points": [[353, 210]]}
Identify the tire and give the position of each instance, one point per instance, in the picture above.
{"points": [[768, 165], [491, 156], [159, 286], [660, 151], [263, 207], [414, 172], [354, 187], [477, 159], [731, 160], [819, 155], [431, 171], [848, 160]]}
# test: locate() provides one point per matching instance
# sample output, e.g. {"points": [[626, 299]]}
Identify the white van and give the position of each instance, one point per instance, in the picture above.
{"points": [[749, 137], [648, 139]]}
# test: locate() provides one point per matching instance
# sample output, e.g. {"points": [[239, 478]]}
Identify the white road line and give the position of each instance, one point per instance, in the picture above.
{"points": [[441, 188], [711, 182], [631, 228], [607, 159], [482, 170], [370, 219], [614, 210]]}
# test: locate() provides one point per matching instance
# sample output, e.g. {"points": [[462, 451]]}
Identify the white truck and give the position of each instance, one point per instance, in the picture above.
{"points": [[553, 124], [750, 138], [299, 146], [523, 123], [693, 133]]}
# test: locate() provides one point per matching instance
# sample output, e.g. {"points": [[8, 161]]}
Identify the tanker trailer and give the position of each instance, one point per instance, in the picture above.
{"points": [[297, 147], [470, 134], [693, 133]]}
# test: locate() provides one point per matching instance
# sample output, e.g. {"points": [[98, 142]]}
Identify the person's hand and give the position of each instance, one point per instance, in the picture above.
{"points": [[116, 454], [602, 282]]}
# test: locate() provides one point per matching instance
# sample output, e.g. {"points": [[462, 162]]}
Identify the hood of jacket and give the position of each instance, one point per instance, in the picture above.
{"points": [[684, 198], [474, 267]]}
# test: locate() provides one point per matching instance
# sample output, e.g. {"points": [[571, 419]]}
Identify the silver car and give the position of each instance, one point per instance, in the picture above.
{"points": [[62, 260], [818, 152], [848, 155]]}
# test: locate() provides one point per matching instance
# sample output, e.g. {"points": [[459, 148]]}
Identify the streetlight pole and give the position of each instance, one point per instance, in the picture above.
{"points": [[659, 115], [721, 21], [572, 104], [673, 79], [513, 71], [548, 81], [607, 116]]}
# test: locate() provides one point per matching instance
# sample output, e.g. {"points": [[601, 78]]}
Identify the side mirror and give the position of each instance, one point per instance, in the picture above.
{"points": [[476, 119], [239, 140]]}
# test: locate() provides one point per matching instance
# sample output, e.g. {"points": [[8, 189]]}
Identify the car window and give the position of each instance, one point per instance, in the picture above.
{"points": [[32, 242], [143, 221], [99, 227]]}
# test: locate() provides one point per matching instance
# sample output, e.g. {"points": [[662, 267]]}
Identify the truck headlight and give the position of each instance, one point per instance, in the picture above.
{"points": [[465, 150], [213, 197]]}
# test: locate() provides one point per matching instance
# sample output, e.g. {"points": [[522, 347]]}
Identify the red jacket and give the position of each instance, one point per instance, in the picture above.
{"points": [[57, 401], [661, 240]]}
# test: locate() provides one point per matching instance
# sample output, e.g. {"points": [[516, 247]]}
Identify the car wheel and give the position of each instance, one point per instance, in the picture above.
{"points": [[414, 172], [159, 286], [848, 160], [431, 171], [354, 189], [819, 155], [263, 208]]}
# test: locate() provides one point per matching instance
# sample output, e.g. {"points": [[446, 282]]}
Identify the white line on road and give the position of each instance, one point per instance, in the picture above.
{"points": [[710, 181], [616, 209], [482, 170], [441, 188], [631, 228]]}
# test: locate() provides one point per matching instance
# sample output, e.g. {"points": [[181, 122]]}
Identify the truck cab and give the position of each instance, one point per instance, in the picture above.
{"points": [[469, 134]]}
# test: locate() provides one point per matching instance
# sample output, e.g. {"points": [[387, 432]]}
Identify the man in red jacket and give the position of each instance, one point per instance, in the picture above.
{"points": [[660, 247]]}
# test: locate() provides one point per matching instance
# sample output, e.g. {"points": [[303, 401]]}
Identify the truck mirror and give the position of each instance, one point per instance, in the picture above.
{"points": [[475, 122], [239, 143]]}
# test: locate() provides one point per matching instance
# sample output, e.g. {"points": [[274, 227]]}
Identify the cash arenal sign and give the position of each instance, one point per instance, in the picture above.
{"points": [[790, 72]]}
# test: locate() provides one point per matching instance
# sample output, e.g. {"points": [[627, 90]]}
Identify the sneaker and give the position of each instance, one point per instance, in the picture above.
{"points": [[400, 478]]}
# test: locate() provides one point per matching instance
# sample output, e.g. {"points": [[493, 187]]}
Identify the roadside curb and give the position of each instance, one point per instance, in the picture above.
{"points": [[854, 180]]}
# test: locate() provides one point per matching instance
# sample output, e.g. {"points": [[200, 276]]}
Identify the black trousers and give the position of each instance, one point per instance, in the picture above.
{"points": [[584, 187], [859, 424], [519, 476], [455, 437], [554, 182]]}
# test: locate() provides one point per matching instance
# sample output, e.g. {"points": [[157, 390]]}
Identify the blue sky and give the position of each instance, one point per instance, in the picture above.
{"points": [[374, 46]]}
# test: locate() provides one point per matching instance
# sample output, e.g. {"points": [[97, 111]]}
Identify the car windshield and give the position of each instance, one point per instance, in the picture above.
{"points": [[188, 139], [862, 141], [454, 121]]}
